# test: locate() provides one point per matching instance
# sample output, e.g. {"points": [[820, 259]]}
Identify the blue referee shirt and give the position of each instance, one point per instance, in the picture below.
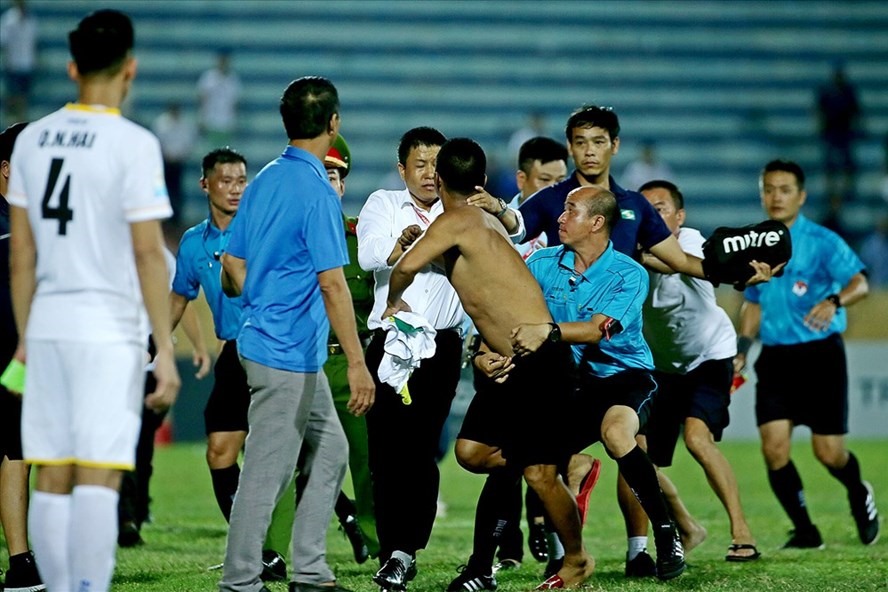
{"points": [[288, 229], [639, 224], [615, 286], [821, 264], [197, 267]]}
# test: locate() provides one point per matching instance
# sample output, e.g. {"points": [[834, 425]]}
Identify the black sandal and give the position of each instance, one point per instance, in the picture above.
{"points": [[742, 558]]}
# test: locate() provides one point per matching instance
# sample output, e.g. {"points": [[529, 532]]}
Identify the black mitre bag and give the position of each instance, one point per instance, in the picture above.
{"points": [[727, 253]]}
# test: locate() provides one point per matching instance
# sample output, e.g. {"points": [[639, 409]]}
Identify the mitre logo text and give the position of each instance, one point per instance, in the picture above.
{"points": [[751, 239]]}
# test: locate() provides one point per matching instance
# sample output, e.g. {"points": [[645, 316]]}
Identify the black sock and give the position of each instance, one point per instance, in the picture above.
{"points": [[849, 476], [490, 518], [641, 476], [21, 559], [787, 486], [225, 486], [511, 542]]}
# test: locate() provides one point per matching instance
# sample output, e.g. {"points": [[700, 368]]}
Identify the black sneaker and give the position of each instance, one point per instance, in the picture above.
{"points": [[536, 542], [22, 575], [359, 548], [470, 580], [394, 575], [641, 566], [866, 516], [129, 535], [274, 568], [804, 538], [670, 553]]}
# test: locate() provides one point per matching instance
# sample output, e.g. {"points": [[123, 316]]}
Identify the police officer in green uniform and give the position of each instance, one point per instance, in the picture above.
{"points": [[357, 518]]}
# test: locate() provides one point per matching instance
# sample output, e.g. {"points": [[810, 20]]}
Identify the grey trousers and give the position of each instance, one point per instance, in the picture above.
{"points": [[286, 409]]}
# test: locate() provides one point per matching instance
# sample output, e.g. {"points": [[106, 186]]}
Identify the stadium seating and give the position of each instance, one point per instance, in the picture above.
{"points": [[721, 87]]}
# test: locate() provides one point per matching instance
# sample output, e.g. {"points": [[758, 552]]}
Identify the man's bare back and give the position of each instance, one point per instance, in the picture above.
{"points": [[493, 282]]}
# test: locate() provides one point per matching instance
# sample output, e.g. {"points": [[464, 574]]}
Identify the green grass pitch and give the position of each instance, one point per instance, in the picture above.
{"points": [[187, 534]]}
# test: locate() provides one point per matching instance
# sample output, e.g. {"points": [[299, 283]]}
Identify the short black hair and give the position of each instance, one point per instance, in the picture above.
{"points": [[542, 149], [672, 188], [7, 139], [220, 156], [786, 166], [462, 165], [101, 42], [307, 106], [418, 136], [593, 116]]}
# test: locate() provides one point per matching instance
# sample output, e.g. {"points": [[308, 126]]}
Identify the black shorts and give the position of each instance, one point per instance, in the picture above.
{"points": [[806, 383], [229, 402], [703, 393], [595, 395], [524, 415], [10, 425]]}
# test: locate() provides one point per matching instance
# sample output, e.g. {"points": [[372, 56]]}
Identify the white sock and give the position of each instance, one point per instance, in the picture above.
{"points": [[636, 545], [93, 537], [48, 523], [553, 544]]}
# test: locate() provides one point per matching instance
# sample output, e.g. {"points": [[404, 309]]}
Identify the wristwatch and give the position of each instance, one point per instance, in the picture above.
{"points": [[554, 333], [834, 298], [503, 207]]}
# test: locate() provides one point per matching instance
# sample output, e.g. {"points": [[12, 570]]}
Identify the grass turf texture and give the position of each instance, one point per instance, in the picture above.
{"points": [[188, 533]]}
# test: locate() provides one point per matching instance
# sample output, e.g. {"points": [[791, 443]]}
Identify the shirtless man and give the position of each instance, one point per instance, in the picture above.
{"points": [[470, 244]]}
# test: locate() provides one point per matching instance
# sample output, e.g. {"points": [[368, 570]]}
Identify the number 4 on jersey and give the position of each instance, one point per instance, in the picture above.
{"points": [[62, 213]]}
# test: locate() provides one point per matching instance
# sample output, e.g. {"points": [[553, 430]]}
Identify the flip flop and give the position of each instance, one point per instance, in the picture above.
{"points": [[553, 583], [742, 558], [586, 487]]}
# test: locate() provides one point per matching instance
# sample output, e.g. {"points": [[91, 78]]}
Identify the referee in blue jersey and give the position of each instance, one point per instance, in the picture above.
{"points": [[802, 371]]}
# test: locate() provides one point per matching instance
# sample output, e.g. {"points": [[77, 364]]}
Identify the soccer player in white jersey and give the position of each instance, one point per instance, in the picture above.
{"points": [[87, 195]]}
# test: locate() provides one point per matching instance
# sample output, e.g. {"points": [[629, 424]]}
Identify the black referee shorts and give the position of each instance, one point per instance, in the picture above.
{"points": [[229, 402], [595, 395], [806, 383]]}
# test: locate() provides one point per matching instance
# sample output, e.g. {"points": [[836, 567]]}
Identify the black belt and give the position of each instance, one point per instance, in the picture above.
{"points": [[380, 333]]}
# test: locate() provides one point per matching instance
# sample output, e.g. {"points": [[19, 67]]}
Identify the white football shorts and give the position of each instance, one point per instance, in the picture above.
{"points": [[82, 403]]}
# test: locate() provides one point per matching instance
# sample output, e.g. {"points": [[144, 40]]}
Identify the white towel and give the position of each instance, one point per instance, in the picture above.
{"points": [[407, 342]]}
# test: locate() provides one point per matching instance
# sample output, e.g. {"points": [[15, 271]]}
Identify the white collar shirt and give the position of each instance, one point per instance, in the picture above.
{"points": [[382, 219]]}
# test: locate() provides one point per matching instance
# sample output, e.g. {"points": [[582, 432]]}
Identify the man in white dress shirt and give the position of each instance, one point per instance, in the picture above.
{"points": [[403, 438]]}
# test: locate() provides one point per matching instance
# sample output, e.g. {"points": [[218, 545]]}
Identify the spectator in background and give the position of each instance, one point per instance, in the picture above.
{"points": [[219, 91], [646, 167], [838, 111], [535, 126], [874, 253], [18, 39], [177, 137]]}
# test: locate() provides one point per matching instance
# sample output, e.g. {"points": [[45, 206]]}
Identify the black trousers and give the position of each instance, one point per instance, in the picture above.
{"points": [[133, 505], [403, 444]]}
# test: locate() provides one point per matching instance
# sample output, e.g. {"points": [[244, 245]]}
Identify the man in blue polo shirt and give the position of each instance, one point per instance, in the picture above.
{"points": [[223, 179], [802, 374], [596, 295], [288, 233]]}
